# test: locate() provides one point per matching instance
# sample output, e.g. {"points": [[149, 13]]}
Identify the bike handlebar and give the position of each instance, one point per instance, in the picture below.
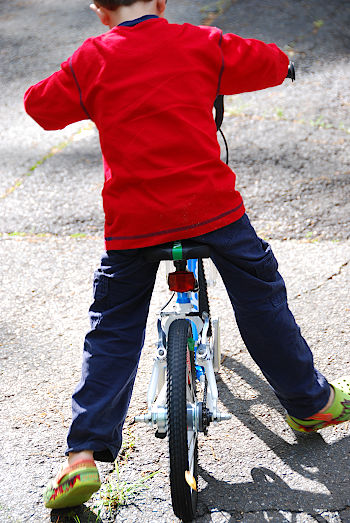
{"points": [[219, 102]]}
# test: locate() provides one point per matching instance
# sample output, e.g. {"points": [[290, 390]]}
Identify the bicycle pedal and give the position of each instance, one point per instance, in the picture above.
{"points": [[160, 435]]}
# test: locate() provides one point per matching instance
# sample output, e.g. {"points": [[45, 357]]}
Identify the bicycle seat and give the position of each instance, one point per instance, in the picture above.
{"points": [[179, 250]]}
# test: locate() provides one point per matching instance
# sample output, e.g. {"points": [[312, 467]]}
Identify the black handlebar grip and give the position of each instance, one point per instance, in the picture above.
{"points": [[291, 71], [219, 110]]}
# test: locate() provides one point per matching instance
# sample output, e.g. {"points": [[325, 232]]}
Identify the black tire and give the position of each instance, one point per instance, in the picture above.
{"points": [[181, 390]]}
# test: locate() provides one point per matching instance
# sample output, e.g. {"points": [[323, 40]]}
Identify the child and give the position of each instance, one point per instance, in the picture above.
{"points": [[149, 86]]}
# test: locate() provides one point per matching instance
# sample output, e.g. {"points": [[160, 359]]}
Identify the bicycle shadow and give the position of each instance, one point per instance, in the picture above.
{"points": [[265, 484], [309, 456]]}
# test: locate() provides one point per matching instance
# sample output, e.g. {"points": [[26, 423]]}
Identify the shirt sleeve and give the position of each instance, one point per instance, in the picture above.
{"points": [[56, 101], [250, 65]]}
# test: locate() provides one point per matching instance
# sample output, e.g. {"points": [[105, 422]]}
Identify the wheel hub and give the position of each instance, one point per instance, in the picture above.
{"points": [[204, 418]]}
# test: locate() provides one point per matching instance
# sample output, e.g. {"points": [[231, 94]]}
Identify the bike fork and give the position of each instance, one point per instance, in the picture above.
{"points": [[201, 414]]}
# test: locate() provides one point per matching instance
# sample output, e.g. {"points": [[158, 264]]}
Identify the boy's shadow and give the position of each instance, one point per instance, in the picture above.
{"points": [[310, 456]]}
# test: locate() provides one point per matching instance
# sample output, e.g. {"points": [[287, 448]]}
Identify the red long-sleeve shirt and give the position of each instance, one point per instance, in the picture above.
{"points": [[150, 87]]}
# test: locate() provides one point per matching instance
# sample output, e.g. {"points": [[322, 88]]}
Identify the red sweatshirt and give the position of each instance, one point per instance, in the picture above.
{"points": [[150, 88]]}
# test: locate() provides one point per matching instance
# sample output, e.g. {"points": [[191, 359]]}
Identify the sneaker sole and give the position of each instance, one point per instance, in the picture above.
{"points": [[342, 391], [74, 491]]}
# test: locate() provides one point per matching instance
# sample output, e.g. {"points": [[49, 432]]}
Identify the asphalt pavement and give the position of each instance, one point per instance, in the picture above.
{"points": [[290, 149]]}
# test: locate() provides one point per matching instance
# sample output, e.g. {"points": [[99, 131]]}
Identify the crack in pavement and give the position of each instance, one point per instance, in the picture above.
{"points": [[318, 515], [44, 235], [80, 133], [231, 111], [320, 285], [213, 11]]}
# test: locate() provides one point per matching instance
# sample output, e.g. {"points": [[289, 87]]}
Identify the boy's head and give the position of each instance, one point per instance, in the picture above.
{"points": [[113, 12], [112, 5]]}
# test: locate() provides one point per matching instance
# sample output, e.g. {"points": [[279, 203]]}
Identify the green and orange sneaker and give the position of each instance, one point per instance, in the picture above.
{"points": [[338, 412], [73, 485]]}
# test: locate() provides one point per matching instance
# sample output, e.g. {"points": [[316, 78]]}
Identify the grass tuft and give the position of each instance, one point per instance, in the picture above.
{"points": [[115, 493]]}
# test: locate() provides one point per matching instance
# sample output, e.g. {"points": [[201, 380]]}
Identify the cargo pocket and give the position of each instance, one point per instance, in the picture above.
{"points": [[100, 295], [100, 286], [266, 268]]}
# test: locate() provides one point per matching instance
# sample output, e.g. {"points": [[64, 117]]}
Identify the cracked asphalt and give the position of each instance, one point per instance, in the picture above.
{"points": [[289, 147]]}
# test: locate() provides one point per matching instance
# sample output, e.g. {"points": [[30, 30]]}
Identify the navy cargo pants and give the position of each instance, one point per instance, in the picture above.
{"points": [[123, 287]]}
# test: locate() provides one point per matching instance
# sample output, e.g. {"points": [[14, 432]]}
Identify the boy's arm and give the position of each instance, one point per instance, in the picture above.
{"points": [[56, 101], [250, 65]]}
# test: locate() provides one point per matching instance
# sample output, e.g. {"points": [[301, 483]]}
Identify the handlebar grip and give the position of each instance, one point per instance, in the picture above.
{"points": [[291, 71], [219, 116], [219, 110]]}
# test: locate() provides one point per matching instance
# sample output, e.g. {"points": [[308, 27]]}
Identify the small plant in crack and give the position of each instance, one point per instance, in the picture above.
{"points": [[115, 493]]}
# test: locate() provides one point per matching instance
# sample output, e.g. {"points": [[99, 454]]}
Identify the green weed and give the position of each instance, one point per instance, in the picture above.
{"points": [[17, 233], [116, 493], [318, 24], [319, 122], [311, 238], [279, 113], [23, 234], [342, 127], [128, 446], [235, 107], [78, 235]]}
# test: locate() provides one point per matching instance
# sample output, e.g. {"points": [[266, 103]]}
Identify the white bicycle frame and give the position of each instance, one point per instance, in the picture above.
{"points": [[207, 360]]}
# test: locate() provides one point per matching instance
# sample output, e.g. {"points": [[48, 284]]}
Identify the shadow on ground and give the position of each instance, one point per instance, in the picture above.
{"points": [[309, 455], [308, 30], [74, 515]]}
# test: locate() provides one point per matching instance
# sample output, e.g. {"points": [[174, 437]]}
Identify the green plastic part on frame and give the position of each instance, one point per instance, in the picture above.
{"points": [[190, 344], [177, 251]]}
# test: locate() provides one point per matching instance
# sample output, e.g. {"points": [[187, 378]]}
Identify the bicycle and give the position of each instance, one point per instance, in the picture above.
{"points": [[182, 397], [187, 357]]}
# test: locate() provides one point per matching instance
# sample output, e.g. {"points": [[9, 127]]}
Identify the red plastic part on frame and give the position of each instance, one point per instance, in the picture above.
{"points": [[181, 281]]}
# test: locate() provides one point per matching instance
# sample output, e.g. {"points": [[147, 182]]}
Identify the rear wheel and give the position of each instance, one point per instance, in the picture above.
{"points": [[182, 433]]}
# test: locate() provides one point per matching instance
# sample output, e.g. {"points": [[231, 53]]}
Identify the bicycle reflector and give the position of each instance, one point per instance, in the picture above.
{"points": [[181, 281]]}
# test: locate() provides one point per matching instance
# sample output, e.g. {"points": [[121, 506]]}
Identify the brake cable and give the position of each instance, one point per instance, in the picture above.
{"points": [[219, 116]]}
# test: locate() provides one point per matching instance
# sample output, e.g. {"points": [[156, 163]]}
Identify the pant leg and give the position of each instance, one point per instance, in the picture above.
{"points": [[257, 292], [123, 287]]}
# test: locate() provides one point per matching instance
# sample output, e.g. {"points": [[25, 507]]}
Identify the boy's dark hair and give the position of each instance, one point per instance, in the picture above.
{"points": [[114, 4]]}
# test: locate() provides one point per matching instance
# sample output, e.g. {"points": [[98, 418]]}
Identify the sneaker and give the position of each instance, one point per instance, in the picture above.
{"points": [[338, 412], [73, 485]]}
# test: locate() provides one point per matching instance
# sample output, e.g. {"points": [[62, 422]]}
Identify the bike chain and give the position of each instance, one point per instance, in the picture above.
{"points": [[205, 291], [205, 412]]}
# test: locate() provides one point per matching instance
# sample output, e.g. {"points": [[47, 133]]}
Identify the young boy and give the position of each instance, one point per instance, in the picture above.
{"points": [[149, 86]]}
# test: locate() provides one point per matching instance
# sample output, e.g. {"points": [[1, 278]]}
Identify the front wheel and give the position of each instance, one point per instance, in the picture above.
{"points": [[182, 432]]}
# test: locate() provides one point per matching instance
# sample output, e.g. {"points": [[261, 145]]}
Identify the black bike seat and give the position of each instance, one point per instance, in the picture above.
{"points": [[179, 250]]}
